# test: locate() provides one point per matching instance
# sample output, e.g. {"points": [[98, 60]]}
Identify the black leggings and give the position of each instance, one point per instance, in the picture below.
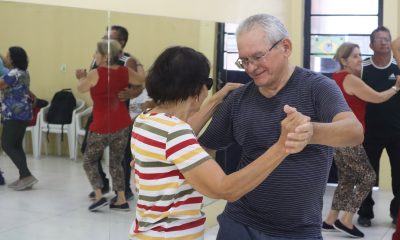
{"points": [[11, 142]]}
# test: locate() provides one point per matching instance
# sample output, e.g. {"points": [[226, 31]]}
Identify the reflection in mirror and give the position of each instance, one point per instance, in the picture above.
{"points": [[60, 40]]}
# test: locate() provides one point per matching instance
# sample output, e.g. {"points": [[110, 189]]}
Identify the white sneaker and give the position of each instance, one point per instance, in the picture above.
{"points": [[13, 184], [25, 183]]}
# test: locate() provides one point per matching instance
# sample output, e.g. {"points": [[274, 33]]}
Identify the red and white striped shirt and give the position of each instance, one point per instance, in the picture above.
{"points": [[168, 207]]}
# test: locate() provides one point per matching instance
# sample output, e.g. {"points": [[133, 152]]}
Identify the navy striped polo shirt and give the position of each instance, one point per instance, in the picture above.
{"points": [[289, 202]]}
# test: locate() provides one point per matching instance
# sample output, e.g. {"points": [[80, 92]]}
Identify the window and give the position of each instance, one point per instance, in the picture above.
{"points": [[329, 23], [227, 54], [230, 47]]}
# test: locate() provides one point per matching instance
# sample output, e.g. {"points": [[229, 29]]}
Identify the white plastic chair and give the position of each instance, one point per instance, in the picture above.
{"points": [[80, 132], [68, 129], [35, 136]]}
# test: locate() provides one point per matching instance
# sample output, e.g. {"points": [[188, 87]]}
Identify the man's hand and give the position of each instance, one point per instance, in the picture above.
{"points": [[80, 73], [130, 92], [296, 130]]}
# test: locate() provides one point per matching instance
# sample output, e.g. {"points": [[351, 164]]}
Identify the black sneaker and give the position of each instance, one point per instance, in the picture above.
{"points": [[104, 190], [98, 204], [394, 219], [122, 207], [350, 232], [128, 196], [363, 221], [327, 227], [2, 181]]}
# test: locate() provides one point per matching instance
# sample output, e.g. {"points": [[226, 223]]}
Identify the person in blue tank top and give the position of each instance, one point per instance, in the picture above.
{"points": [[287, 204]]}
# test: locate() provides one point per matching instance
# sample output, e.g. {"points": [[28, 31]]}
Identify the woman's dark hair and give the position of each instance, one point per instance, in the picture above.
{"points": [[18, 57], [177, 74]]}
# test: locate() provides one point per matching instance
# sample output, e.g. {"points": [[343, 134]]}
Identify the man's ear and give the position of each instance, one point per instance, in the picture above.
{"points": [[122, 43], [287, 46]]}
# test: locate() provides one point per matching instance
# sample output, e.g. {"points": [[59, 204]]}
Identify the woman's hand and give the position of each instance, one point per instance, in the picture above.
{"points": [[80, 73], [397, 84], [223, 92], [395, 44]]}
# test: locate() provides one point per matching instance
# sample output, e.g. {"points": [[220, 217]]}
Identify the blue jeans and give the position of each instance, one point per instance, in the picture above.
{"points": [[231, 230]]}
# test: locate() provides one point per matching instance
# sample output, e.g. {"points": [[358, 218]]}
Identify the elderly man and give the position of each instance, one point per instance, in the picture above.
{"points": [[288, 204]]}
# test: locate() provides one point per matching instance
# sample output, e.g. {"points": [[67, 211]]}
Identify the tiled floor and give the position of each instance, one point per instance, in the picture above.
{"points": [[56, 208], [382, 228]]}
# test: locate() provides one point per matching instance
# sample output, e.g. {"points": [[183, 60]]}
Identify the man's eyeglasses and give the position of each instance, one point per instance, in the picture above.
{"points": [[382, 40], [243, 63], [209, 82]]}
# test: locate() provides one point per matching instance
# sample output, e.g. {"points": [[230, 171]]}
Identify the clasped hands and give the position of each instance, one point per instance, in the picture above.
{"points": [[80, 73], [296, 130]]}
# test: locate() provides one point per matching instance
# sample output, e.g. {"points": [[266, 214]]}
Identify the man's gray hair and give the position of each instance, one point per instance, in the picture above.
{"points": [[272, 26]]}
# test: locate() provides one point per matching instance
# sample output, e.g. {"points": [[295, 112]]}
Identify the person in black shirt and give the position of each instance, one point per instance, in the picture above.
{"points": [[382, 120]]}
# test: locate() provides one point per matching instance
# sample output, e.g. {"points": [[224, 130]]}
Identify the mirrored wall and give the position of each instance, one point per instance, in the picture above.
{"points": [[59, 40]]}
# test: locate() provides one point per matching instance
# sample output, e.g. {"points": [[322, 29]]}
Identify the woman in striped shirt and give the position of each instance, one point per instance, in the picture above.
{"points": [[172, 170]]}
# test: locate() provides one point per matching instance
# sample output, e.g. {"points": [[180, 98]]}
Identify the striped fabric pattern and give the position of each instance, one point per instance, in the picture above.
{"points": [[168, 207]]}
